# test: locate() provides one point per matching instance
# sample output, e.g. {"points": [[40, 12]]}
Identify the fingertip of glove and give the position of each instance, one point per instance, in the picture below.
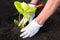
{"points": [[21, 30], [20, 35]]}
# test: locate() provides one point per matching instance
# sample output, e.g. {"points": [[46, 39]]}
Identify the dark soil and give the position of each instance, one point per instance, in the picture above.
{"points": [[9, 31]]}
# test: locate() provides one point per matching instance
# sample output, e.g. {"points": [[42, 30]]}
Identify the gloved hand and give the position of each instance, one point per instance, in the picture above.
{"points": [[31, 29]]}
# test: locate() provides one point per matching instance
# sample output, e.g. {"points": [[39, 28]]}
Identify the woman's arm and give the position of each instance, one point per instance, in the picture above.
{"points": [[34, 1], [48, 10], [33, 27]]}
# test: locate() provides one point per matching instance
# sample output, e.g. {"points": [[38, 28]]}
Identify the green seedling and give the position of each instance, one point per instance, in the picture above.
{"points": [[24, 9], [16, 22]]}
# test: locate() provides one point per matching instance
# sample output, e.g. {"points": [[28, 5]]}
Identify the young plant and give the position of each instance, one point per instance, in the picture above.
{"points": [[24, 9]]}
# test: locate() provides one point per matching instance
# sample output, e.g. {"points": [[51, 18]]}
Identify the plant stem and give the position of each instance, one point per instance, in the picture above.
{"points": [[21, 22]]}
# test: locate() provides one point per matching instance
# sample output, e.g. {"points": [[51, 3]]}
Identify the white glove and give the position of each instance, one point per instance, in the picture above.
{"points": [[31, 29]]}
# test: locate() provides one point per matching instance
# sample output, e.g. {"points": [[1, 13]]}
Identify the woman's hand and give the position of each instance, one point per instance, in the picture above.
{"points": [[31, 29]]}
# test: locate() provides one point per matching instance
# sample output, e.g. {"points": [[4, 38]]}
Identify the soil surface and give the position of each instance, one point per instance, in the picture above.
{"points": [[9, 31]]}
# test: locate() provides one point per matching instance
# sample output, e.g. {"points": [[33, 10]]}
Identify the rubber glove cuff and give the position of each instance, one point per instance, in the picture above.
{"points": [[32, 5]]}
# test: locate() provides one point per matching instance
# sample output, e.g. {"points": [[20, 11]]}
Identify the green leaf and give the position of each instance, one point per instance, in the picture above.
{"points": [[16, 22], [22, 26], [18, 6], [26, 15], [31, 10], [25, 6]]}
